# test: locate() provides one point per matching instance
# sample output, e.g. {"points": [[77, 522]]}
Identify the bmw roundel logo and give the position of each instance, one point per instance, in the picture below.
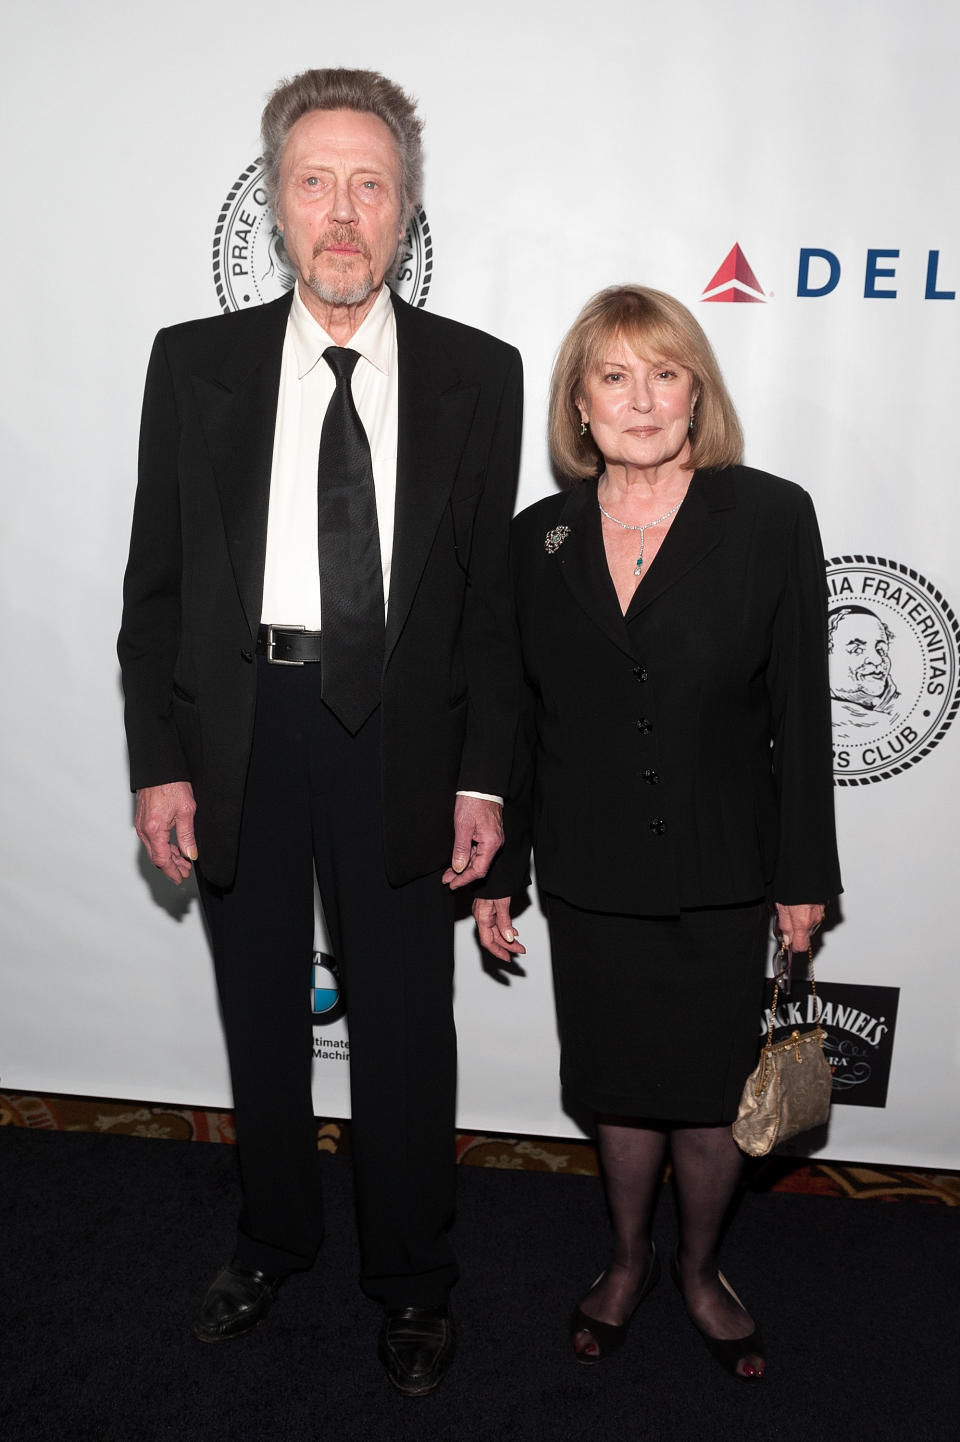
{"points": [[325, 988]]}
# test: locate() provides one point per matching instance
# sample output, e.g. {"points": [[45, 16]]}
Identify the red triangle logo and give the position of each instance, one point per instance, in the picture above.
{"points": [[734, 281]]}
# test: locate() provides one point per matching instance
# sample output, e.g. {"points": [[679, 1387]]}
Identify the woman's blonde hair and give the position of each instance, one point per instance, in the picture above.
{"points": [[656, 326]]}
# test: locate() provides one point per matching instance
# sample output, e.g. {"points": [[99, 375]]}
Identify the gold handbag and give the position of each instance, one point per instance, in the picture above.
{"points": [[789, 1089]]}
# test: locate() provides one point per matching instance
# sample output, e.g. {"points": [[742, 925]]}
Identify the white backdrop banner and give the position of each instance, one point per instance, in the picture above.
{"points": [[784, 170]]}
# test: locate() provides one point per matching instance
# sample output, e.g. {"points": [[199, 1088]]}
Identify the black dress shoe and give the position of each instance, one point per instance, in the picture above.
{"points": [[416, 1347], [237, 1299]]}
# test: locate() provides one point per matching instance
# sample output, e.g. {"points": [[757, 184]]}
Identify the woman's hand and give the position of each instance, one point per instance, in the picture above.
{"points": [[495, 928], [796, 924]]}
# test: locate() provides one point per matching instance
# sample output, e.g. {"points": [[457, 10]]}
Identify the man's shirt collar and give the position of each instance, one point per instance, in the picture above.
{"points": [[375, 340]]}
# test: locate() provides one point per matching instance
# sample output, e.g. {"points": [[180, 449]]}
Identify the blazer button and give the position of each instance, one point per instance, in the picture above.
{"points": [[651, 777], [246, 655], [658, 825], [644, 726], [640, 672]]}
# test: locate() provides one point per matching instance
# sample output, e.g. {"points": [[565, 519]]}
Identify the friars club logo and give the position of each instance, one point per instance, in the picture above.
{"points": [[894, 647], [249, 263]]}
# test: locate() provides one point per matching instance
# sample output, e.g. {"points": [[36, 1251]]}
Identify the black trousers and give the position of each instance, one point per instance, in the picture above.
{"points": [[313, 802]]}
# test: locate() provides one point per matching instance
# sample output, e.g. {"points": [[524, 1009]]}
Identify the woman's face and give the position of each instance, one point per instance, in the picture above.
{"points": [[638, 408]]}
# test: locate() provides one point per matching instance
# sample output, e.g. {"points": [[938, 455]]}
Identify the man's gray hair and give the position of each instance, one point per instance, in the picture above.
{"points": [[363, 90]]}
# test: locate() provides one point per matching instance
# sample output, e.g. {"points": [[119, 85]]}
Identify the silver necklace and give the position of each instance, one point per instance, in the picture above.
{"points": [[642, 529]]}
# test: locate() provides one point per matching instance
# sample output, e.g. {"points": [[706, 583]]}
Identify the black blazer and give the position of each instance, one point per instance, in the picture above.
{"points": [[679, 756], [194, 581]]}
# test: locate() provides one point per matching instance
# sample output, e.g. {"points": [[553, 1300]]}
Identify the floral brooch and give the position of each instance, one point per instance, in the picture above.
{"points": [[554, 539]]}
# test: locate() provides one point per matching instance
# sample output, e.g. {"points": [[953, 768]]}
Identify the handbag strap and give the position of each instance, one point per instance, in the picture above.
{"points": [[781, 970]]}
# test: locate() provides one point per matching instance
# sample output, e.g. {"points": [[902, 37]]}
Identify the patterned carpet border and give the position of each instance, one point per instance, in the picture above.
{"points": [[567, 1156]]}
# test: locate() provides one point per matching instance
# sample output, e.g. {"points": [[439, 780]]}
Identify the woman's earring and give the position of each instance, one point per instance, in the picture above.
{"points": [[691, 421], [584, 427]]}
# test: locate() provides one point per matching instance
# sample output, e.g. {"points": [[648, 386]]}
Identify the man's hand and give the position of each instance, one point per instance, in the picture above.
{"points": [[477, 837], [495, 928], [160, 808], [797, 924]]}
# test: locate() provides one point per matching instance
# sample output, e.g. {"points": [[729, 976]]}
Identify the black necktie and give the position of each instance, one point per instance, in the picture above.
{"points": [[351, 578]]}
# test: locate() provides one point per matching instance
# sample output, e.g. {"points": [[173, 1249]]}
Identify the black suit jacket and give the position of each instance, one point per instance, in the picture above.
{"points": [[194, 580], [678, 756]]}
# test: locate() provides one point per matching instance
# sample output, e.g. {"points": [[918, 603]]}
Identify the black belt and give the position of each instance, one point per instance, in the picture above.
{"points": [[288, 645]]}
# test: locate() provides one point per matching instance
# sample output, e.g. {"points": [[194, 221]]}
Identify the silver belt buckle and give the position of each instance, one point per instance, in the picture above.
{"points": [[271, 643]]}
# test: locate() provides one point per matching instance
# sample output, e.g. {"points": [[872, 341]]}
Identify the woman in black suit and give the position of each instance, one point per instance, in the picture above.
{"points": [[674, 775]]}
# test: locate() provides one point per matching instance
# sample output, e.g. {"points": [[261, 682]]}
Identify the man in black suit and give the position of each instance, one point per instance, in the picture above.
{"points": [[320, 676]]}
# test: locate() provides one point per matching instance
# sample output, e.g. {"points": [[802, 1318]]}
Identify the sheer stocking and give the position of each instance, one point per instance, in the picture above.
{"points": [[706, 1169], [632, 1158]]}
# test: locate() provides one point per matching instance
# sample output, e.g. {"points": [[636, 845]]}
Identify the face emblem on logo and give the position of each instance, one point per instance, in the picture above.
{"points": [[249, 266], [893, 649]]}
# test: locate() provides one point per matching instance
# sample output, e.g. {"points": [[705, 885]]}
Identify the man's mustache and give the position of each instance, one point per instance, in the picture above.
{"points": [[341, 235]]}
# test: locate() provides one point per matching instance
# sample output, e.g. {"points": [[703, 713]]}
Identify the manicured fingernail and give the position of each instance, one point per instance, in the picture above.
{"points": [[508, 935]]}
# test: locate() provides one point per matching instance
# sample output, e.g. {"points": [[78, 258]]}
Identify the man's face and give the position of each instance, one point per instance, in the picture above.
{"points": [[860, 660], [340, 204]]}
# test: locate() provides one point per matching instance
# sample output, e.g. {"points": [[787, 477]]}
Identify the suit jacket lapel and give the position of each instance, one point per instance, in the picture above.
{"points": [[583, 564], [237, 399], [695, 532], [435, 413]]}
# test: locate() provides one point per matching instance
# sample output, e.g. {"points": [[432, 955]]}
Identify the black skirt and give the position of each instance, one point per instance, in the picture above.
{"points": [[659, 1017]]}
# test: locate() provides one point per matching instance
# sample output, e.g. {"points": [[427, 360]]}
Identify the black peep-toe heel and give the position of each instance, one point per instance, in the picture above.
{"points": [[610, 1336], [730, 1352]]}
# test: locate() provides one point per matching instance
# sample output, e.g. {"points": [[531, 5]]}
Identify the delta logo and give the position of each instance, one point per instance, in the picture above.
{"points": [[734, 281], [820, 271]]}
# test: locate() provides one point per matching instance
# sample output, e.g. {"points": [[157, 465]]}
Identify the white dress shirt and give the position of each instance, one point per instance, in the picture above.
{"points": [[291, 580]]}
